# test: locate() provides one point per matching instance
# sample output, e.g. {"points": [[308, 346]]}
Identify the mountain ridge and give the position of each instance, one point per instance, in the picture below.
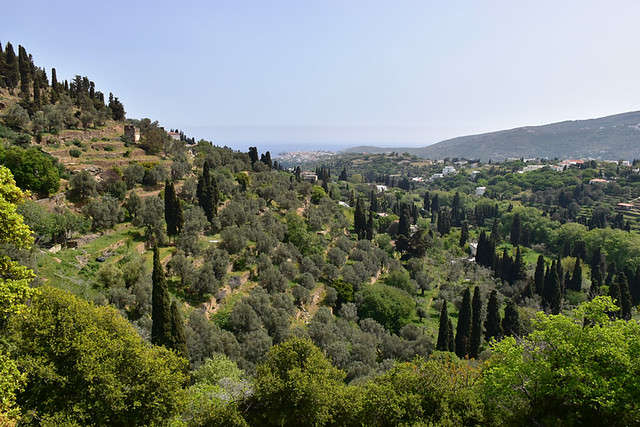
{"points": [[611, 137]]}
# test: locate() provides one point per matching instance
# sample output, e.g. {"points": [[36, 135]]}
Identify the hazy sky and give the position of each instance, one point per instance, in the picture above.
{"points": [[342, 72]]}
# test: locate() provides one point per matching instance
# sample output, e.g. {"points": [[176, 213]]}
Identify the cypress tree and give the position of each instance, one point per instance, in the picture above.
{"points": [[525, 238], [493, 326], [160, 305], [172, 209], [343, 175], [443, 331], [463, 332], [518, 268], [360, 219], [516, 230], [538, 277], [626, 302], [452, 341], [511, 321], [11, 71], [369, 230], [552, 293], [24, 69], [495, 232], [207, 193], [374, 201], [575, 284], [178, 341], [435, 204], [464, 234], [1, 66], [427, 202], [476, 324], [404, 222]]}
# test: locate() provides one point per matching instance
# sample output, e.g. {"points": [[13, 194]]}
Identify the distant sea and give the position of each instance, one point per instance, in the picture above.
{"points": [[279, 139]]}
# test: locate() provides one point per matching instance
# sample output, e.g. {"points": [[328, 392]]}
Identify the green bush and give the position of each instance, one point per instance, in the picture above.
{"points": [[74, 152]]}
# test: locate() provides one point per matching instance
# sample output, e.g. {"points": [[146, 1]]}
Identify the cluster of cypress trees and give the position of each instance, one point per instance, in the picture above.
{"points": [[207, 193], [20, 70], [468, 336]]}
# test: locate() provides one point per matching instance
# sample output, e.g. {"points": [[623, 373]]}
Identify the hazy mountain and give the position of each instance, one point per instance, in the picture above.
{"points": [[608, 138]]}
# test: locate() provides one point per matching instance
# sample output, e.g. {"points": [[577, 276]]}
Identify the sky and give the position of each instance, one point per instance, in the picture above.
{"points": [[325, 74]]}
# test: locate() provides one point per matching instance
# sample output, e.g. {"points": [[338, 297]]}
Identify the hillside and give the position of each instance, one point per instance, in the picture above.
{"points": [[607, 138]]}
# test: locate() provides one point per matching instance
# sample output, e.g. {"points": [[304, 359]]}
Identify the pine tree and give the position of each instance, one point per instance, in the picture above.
{"points": [[511, 321], [443, 331], [160, 305], [463, 331], [493, 326], [476, 325], [178, 341]]}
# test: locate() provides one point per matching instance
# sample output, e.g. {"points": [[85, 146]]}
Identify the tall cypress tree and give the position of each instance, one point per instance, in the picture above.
{"points": [[24, 69], [11, 71], [552, 294], [575, 284], [464, 234], [463, 331], [178, 340], [369, 229], [360, 219], [518, 270], [476, 324], [538, 277], [427, 202], [495, 232], [443, 331], [516, 230], [207, 193], [511, 321], [493, 326], [172, 210], [373, 206], [452, 341], [404, 223], [160, 305]]}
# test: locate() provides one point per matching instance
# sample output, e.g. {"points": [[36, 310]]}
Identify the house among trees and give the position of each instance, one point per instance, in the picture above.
{"points": [[174, 135], [132, 133], [309, 177], [480, 191]]}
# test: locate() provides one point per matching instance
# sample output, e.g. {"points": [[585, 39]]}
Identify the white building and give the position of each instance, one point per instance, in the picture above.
{"points": [[480, 191], [448, 170]]}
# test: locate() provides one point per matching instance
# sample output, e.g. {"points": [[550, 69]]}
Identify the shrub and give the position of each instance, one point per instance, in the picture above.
{"points": [[75, 152]]}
